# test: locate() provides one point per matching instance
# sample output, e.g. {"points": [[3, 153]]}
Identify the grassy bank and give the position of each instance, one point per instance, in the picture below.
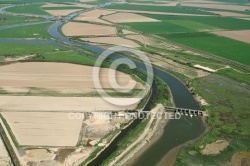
{"points": [[10, 20], [18, 49], [228, 119], [28, 9], [38, 31]]}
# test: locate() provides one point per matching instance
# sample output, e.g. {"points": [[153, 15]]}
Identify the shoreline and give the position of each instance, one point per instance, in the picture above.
{"points": [[170, 158], [138, 152]]}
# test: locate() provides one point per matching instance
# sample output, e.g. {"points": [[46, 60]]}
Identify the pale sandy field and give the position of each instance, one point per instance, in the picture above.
{"points": [[67, 104], [112, 40], [44, 128], [242, 35], [128, 17], [215, 147], [62, 77], [93, 16], [218, 6], [61, 12], [85, 29], [58, 75], [138, 38], [229, 14]]}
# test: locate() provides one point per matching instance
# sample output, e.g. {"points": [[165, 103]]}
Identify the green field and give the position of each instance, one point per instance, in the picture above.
{"points": [[171, 9], [44, 53], [30, 31], [172, 24], [228, 23], [220, 46], [67, 56], [62, 8], [28, 9], [10, 20], [17, 49], [158, 27], [187, 30]]}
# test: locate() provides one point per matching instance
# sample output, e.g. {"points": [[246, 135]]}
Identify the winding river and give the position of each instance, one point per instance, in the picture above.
{"points": [[176, 132]]}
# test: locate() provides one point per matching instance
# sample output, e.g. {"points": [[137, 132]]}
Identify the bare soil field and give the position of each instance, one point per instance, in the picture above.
{"points": [[61, 12], [85, 29], [44, 128], [128, 17], [76, 158], [99, 125], [218, 6], [242, 35], [38, 155], [215, 147], [67, 104], [112, 40], [93, 16], [229, 14], [61, 77], [138, 38]]}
